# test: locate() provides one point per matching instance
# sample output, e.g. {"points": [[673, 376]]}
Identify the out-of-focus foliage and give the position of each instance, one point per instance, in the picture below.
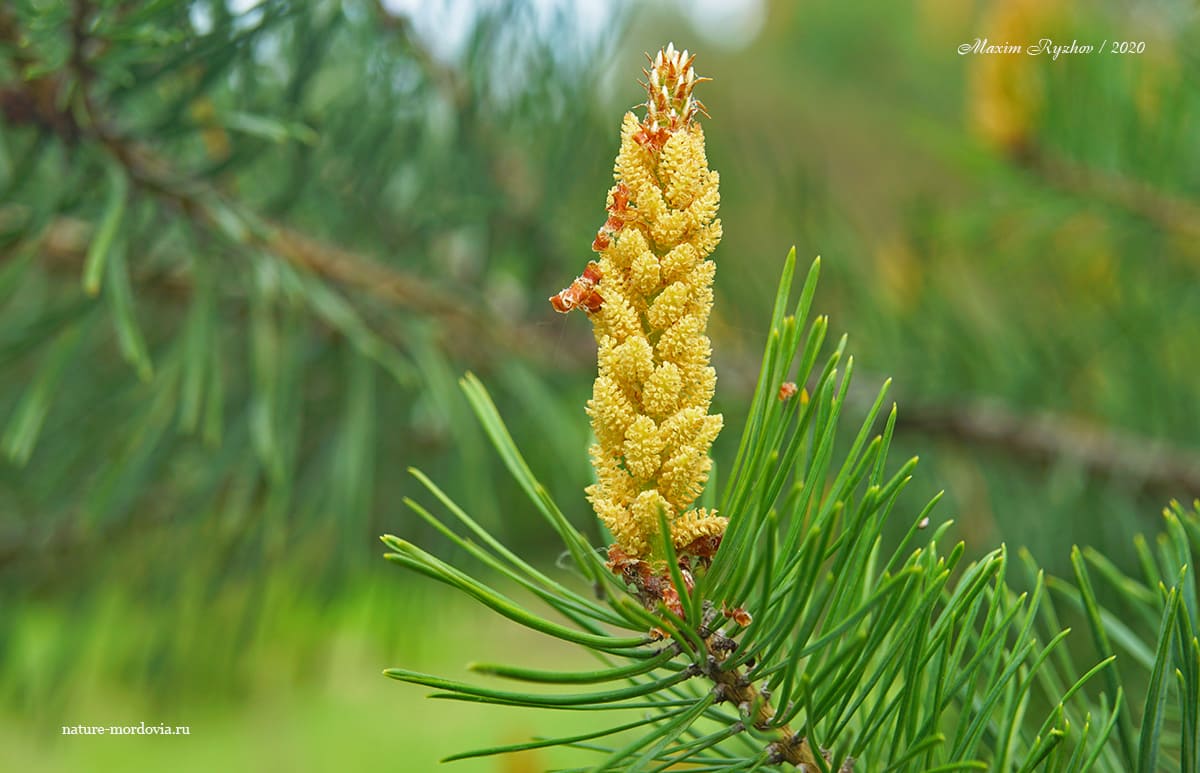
{"points": [[241, 252], [1051, 275], [303, 220]]}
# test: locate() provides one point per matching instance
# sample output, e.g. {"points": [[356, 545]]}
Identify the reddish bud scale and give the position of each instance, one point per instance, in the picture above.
{"points": [[656, 586], [787, 390], [620, 202], [618, 217], [652, 140], [581, 293], [739, 616]]}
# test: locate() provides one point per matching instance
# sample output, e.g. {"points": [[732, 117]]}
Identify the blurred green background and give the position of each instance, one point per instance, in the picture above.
{"points": [[247, 249]]}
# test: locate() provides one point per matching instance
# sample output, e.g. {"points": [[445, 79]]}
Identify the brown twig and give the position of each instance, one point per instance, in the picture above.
{"points": [[657, 592], [1138, 462], [1141, 463], [733, 686], [1167, 211]]}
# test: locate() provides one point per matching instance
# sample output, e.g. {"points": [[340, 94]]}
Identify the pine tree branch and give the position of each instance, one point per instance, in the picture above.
{"points": [[46, 547], [1162, 208], [508, 168], [1137, 462], [40, 103], [733, 686], [62, 248], [1140, 463]]}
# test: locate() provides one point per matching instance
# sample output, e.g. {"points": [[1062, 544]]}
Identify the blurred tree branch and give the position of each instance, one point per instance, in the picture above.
{"points": [[470, 328], [1169, 212], [1133, 461], [38, 102]]}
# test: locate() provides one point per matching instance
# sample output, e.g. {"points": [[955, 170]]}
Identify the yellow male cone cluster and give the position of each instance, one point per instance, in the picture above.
{"points": [[649, 308], [1005, 91]]}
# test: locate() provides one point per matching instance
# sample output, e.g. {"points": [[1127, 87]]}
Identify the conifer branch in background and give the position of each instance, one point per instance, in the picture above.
{"points": [[208, 259], [1126, 459], [1171, 213]]}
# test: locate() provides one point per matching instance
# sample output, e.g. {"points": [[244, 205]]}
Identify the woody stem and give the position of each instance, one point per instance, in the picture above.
{"points": [[733, 686]]}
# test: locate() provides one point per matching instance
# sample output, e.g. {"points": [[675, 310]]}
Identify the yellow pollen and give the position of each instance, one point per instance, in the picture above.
{"points": [[650, 402]]}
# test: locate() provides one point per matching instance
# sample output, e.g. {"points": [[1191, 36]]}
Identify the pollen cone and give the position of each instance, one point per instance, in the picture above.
{"points": [[650, 402]]}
